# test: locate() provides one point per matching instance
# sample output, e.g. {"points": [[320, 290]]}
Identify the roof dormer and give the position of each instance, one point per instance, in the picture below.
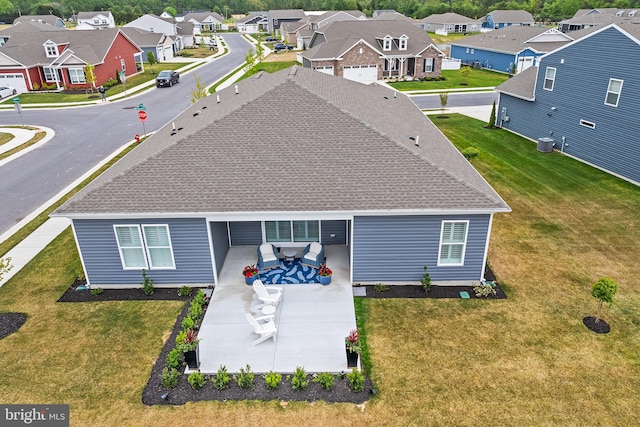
{"points": [[402, 42], [51, 49], [387, 42]]}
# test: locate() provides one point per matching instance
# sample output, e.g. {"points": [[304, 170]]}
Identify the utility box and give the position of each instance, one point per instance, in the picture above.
{"points": [[545, 145]]}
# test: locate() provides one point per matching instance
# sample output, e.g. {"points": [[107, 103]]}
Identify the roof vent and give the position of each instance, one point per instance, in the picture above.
{"points": [[196, 113]]}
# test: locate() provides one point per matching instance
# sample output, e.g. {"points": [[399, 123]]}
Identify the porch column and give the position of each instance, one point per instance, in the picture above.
{"points": [[402, 69]]}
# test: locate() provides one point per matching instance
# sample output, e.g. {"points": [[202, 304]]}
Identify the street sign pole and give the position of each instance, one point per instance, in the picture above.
{"points": [[18, 108], [142, 115]]}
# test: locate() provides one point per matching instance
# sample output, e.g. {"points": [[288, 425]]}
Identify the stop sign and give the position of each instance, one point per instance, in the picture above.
{"points": [[142, 115]]}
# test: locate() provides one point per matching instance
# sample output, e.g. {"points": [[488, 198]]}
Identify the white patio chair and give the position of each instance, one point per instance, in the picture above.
{"points": [[265, 330], [269, 295]]}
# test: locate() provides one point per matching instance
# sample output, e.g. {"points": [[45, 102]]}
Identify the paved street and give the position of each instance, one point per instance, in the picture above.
{"points": [[455, 100], [86, 135]]}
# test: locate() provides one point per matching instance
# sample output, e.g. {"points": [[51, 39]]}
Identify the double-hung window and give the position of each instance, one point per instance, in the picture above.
{"points": [[292, 231], [549, 78], [428, 65], [50, 74], [613, 92], [146, 246], [453, 242], [76, 75]]}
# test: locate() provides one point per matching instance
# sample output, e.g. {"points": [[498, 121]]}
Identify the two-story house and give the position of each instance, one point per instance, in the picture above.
{"points": [[275, 18], [589, 112], [181, 33], [366, 51], [506, 18], [95, 20]]}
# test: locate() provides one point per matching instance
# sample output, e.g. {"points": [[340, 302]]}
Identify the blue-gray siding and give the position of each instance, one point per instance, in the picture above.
{"points": [[245, 233], [220, 243], [395, 248], [488, 59], [99, 248], [338, 228], [579, 92]]}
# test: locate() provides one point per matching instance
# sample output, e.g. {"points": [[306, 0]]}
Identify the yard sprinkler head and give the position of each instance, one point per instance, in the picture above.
{"points": [[164, 396]]}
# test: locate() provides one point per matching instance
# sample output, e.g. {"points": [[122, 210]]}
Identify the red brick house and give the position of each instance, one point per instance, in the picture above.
{"points": [[371, 50], [35, 54]]}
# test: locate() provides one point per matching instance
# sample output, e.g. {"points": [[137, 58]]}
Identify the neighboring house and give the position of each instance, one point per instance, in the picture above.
{"points": [[321, 21], [31, 57], [289, 30], [586, 18], [43, 19], [275, 18], [303, 38], [506, 18], [205, 22], [509, 49], [426, 207], [95, 20], [589, 112], [253, 23], [366, 51], [160, 45], [450, 23], [167, 26]]}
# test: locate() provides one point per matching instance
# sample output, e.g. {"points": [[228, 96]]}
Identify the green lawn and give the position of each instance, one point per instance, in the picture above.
{"points": [[269, 67], [454, 80], [523, 361]]}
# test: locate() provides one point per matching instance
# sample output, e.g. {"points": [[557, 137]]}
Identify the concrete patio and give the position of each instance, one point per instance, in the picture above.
{"points": [[312, 321]]}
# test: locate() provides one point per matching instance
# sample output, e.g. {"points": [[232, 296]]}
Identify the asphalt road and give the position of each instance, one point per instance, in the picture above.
{"points": [[455, 100], [85, 136]]}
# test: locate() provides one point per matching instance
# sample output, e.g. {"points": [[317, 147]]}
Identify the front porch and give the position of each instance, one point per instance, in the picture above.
{"points": [[312, 321]]}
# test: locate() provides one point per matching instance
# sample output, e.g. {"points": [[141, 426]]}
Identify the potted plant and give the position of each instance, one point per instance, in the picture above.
{"points": [[187, 342], [353, 347], [250, 273], [324, 273]]}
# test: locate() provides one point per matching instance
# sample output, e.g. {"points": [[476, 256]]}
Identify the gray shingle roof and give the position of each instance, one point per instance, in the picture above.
{"points": [[506, 39], [47, 19], [343, 147], [327, 15], [287, 13], [447, 18], [250, 16], [512, 16], [201, 16], [522, 85], [143, 38]]}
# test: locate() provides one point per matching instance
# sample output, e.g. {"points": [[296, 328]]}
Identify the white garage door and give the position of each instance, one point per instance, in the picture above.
{"points": [[327, 70], [524, 63], [361, 73], [15, 81], [168, 53]]}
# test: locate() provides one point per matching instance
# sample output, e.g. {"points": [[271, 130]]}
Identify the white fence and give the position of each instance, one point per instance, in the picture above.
{"points": [[450, 64]]}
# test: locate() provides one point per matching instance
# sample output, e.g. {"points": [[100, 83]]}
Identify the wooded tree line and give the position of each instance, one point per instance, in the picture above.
{"points": [[127, 10]]}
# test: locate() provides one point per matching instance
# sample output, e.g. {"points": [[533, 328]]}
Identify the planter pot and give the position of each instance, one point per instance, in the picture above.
{"points": [[250, 280], [325, 280], [352, 359], [192, 358]]}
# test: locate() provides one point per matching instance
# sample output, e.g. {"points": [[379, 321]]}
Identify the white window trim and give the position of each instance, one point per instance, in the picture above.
{"points": [[78, 81], [51, 50], [587, 124], [402, 43], [553, 80], [115, 232], [53, 72], [610, 91], [147, 247], [291, 242], [386, 43], [424, 65], [464, 244]]}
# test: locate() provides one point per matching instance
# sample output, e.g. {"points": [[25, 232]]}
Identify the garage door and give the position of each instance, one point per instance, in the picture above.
{"points": [[327, 70], [361, 73], [524, 63], [15, 81], [168, 53]]}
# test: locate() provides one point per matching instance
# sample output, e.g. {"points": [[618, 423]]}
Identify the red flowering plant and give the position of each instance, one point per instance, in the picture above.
{"points": [[352, 341], [249, 270], [324, 270]]}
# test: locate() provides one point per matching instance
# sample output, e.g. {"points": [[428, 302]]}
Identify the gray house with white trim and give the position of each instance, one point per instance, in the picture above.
{"points": [[589, 112], [341, 170]]}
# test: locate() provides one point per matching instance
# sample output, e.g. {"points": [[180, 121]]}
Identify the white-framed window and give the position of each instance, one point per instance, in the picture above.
{"points": [[147, 246], [292, 231], [386, 43], [587, 124], [402, 43], [51, 50], [453, 243], [549, 78], [613, 92], [50, 74], [427, 65], [76, 75]]}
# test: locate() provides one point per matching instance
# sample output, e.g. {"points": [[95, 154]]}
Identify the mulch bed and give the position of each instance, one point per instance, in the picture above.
{"points": [[11, 322], [600, 327], [416, 291], [159, 294]]}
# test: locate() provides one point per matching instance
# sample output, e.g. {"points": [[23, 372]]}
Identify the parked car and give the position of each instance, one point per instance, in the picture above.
{"points": [[271, 39], [281, 46], [7, 91], [167, 78]]}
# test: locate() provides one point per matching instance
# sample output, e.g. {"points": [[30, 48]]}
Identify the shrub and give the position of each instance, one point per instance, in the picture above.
{"points": [[299, 380], [426, 280], [36, 86], [603, 290], [380, 287], [470, 153], [484, 290], [187, 323], [96, 291], [325, 380], [170, 378], [352, 342], [174, 359], [244, 378], [221, 380], [187, 340], [147, 283], [272, 380], [196, 380], [200, 298], [183, 291], [355, 378], [195, 312]]}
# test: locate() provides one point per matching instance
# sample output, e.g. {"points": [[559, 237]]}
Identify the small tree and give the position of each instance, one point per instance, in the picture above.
{"points": [[5, 266], [465, 72], [444, 99], [90, 76], [249, 59], [603, 290], [492, 117], [151, 59], [199, 92]]}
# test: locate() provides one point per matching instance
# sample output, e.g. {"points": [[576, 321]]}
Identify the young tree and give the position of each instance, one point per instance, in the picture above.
{"points": [[90, 76], [492, 117], [200, 90], [151, 59], [444, 99], [465, 72], [249, 59], [604, 290], [5, 266]]}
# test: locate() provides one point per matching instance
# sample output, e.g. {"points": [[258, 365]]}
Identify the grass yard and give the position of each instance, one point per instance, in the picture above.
{"points": [[5, 137], [523, 361], [269, 67], [455, 80]]}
